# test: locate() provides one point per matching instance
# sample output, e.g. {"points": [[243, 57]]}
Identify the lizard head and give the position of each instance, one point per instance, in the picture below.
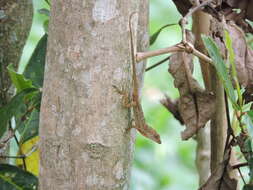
{"points": [[153, 135]]}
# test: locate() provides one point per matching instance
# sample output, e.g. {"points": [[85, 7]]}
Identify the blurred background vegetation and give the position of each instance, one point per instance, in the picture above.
{"points": [[169, 166]]}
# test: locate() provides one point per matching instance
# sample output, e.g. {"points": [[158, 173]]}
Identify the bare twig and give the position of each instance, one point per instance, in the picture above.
{"points": [[144, 55], [240, 165], [187, 47], [183, 21], [7, 139], [23, 156], [158, 63]]}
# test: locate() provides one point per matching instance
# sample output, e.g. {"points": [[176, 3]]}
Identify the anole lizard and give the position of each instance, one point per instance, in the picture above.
{"points": [[140, 123]]}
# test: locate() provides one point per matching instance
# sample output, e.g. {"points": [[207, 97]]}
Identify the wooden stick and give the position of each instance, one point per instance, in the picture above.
{"points": [[187, 47]]}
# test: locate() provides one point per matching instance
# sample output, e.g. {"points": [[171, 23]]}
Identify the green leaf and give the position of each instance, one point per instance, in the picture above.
{"points": [[247, 187], [35, 67], [251, 168], [250, 114], [156, 34], [27, 119], [231, 54], [248, 120], [47, 1], [14, 178], [45, 26], [221, 69], [13, 108], [19, 81], [247, 150], [30, 128], [228, 43], [246, 107]]}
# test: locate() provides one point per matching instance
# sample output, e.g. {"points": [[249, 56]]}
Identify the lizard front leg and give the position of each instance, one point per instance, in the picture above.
{"points": [[126, 101]]}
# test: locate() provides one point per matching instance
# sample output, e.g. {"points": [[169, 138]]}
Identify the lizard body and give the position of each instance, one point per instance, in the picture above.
{"points": [[140, 123], [139, 118]]}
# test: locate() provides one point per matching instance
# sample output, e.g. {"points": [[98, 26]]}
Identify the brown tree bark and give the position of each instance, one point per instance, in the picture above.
{"points": [[85, 143]]}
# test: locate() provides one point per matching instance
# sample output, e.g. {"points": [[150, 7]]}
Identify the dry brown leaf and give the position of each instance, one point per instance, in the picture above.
{"points": [[243, 55], [244, 5], [172, 107], [183, 6], [196, 106], [220, 179], [224, 7], [236, 3], [206, 106]]}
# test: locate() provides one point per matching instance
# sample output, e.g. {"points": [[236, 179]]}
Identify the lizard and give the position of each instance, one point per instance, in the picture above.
{"points": [[139, 119]]}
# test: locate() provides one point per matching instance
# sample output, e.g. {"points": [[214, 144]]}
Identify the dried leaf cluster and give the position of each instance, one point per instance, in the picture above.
{"points": [[195, 105], [226, 8]]}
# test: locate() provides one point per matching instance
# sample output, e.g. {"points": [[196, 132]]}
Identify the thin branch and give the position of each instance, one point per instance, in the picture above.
{"points": [[229, 127], [183, 21], [230, 132], [187, 47], [17, 142], [23, 156], [241, 176], [240, 165], [15, 157], [144, 55], [156, 64]]}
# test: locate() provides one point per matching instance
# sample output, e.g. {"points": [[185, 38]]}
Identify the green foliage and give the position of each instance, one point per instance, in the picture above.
{"points": [[27, 85], [221, 68], [247, 187], [45, 12], [162, 167], [14, 178], [13, 108], [156, 167], [231, 54], [35, 67], [30, 128], [19, 81], [25, 108], [156, 34]]}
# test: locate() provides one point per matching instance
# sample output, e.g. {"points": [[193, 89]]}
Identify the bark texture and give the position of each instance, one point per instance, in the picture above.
{"points": [[84, 141]]}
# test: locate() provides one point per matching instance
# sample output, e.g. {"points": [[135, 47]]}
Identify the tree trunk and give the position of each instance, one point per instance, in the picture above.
{"points": [[85, 143], [15, 21], [218, 122], [201, 23]]}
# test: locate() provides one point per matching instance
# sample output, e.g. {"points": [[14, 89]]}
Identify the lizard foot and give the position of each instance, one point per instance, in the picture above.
{"points": [[126, 102]]}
